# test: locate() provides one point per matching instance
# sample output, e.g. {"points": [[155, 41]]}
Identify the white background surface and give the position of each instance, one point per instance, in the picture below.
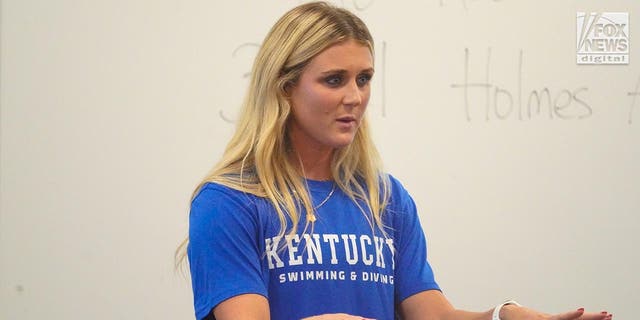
{"points": [[112, 111]]}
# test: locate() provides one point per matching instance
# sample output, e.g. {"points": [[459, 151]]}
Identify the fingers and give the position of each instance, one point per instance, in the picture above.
{"points": [[570, 315], [604, 315], [581, 315]]}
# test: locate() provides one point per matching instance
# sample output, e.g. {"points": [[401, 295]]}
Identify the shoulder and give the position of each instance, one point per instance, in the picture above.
{"points": [[401, 209], [394, 183], [212, 192], [217, 202], [398, 195]]}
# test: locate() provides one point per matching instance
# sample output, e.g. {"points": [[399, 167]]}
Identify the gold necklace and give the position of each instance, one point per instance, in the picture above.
{"points": [[311, 216]]}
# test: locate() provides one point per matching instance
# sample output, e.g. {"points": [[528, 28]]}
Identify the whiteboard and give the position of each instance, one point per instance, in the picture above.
{"points": [[112, 111]]}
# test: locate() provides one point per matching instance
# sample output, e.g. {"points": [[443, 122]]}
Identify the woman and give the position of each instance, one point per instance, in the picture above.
{"points": [[298, 220]]}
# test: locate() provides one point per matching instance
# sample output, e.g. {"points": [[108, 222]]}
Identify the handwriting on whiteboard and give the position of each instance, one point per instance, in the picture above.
{"points": [[252, 47], [463, 2], [360, 5], [633, 95], [501, 103]]}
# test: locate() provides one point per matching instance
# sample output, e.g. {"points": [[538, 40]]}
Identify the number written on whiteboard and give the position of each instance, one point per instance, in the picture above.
{"points": [[249, 46]]}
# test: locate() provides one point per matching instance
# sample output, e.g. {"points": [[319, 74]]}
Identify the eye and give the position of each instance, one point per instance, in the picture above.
{"points": [[333, 80], [364, 79]]}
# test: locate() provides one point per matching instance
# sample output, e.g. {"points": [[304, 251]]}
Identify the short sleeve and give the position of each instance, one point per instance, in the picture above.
{"points": [[413, 271], [224, 247]]}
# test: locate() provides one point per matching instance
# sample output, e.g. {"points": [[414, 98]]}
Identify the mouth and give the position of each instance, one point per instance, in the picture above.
{"points": [[346, 119]]}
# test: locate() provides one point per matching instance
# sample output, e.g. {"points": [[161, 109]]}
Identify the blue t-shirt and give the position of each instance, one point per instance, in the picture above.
{"points": [[338, 266]]}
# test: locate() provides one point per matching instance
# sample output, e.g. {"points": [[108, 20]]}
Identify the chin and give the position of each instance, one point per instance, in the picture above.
{"points": [[344, 142]]}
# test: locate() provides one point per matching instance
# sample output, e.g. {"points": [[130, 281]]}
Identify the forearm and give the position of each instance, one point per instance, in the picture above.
{"points": [[433, 305], [487, 315], [466, 315]]}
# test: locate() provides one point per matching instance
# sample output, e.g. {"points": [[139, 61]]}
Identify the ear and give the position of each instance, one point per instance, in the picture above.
{"points": [[286, 89]]}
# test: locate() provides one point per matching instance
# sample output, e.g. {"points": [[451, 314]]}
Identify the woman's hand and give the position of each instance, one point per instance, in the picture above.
{"points": [[336, 316], [512, 312]]}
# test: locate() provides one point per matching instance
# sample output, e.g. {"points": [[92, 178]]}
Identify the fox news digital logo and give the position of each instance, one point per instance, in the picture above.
{"points": [[603, 38]]}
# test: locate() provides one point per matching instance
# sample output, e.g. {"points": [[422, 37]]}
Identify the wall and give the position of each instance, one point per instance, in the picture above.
{"points": [[111, 112]]}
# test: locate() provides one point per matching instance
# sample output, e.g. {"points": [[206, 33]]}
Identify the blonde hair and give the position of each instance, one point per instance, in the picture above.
{"points": [[256, 158]]}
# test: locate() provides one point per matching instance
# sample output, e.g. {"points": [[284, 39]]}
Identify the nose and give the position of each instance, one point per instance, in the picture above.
{"points": [[353, 95]]}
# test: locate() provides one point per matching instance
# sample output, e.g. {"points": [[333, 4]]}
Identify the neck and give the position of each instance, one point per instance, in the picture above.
{"points": [[314, 164]]}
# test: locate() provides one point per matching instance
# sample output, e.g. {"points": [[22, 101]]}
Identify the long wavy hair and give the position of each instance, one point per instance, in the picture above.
{"points": [[256, 159]]}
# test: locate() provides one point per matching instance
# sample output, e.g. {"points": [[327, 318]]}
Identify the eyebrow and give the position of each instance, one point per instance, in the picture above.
{"points": [[343, 71]]}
